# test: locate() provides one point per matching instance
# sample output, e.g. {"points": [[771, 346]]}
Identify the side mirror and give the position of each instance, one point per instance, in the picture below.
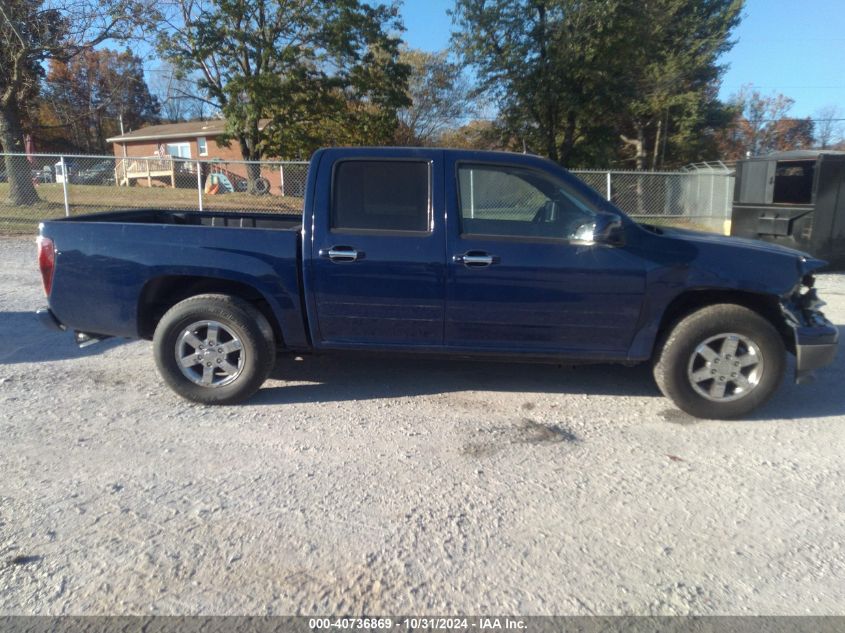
{"points": [[606, 228]]}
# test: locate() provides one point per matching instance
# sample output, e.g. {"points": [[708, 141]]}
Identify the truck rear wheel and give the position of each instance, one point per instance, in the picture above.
{"points": [[214, 349], [721, 362]]}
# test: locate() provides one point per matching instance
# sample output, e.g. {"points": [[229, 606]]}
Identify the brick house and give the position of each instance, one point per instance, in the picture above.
{"points": [[159, 145]]}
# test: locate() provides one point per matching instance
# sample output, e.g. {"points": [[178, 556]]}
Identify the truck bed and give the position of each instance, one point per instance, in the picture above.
{"points": [[117, 261], [235, 219]]}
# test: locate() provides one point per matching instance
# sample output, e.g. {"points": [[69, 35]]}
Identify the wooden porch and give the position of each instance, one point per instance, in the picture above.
{"points": [[128, 169]]}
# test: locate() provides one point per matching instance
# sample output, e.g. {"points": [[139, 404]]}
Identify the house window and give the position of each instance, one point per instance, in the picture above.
{"points": [[179, 150], [202, 145]]}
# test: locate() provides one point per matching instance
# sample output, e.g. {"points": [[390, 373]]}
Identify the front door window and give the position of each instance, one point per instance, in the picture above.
{"points": [[517, 202]]}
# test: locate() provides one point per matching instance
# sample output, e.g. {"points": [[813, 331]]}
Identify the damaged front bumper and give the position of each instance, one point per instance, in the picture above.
{"points": [[816, 338], [815, 347]]}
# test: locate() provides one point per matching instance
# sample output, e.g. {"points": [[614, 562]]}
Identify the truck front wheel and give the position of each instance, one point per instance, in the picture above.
{"points": [[214, 349], [721, 362]]}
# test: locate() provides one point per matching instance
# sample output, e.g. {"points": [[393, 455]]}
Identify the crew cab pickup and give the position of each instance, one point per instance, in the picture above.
{"points": [[437, 251]]}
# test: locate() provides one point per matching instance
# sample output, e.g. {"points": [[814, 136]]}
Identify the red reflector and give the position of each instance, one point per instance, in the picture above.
{"points": [[46, 261]]}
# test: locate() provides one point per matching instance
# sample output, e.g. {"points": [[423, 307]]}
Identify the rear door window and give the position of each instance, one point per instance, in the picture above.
{"points": [[382, 195]]}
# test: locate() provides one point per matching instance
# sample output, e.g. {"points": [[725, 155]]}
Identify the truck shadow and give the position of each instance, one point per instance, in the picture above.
{"points": [[348, 377], [351, 377], [25, 340]]}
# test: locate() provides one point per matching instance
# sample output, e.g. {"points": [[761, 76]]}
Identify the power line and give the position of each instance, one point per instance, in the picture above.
{"points": [[789, 118]]}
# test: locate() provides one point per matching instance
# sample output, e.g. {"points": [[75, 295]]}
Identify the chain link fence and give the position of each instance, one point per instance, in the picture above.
{"points": [[699, 196], [45, 186]]}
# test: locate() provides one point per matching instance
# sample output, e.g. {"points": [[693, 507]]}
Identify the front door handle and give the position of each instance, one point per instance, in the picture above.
{"points": [[341, 254], [475, 259]]}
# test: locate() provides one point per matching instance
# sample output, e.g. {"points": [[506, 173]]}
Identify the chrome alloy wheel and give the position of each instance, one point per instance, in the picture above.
{"points": [[209, 354], [725, 367]]}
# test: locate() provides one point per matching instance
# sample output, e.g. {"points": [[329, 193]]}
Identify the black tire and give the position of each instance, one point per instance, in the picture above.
{"points": [[240, 323], [683, 367]]}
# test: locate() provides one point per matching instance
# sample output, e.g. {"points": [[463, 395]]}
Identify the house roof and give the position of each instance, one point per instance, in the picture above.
{"points": [[188, 129]]}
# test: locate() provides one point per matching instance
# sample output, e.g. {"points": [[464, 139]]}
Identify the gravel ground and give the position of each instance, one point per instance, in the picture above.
{"points": [[381, 486]]}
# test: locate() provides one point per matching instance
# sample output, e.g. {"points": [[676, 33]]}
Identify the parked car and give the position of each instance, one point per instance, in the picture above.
{"points": [[439, 252], [99, 173], [43, 175]]}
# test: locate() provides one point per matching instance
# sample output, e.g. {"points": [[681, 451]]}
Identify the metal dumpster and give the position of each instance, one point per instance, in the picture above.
{"points": [[796, 199]]}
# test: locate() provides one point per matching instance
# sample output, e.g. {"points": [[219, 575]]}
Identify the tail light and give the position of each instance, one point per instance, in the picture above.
{"points": [[46, 261]]}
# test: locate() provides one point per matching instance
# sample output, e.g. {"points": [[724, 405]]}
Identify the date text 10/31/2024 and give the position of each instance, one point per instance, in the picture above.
{"points": [[411, 623]]}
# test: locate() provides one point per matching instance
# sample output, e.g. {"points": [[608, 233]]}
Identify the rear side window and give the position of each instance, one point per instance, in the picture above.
{"points": [[794, 182], [381, 195]]}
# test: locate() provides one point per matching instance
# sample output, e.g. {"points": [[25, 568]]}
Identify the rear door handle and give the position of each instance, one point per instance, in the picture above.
{"points": [[475, 259], [341, 254]]}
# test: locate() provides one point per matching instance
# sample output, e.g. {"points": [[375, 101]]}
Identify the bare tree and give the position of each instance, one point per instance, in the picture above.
{"points": [[829, 128], [94, 94], [762, 125], [440, 98], [32, 32], [177, 94]]}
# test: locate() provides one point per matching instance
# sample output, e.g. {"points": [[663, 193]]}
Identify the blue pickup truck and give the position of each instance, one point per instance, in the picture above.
{"points": [[438, 252]]}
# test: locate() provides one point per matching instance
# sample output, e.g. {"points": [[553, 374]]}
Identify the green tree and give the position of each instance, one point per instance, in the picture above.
{"points": [[318, 69], [32, 32], [550, 64], [671, 75], [583, 81], [439, 96]]}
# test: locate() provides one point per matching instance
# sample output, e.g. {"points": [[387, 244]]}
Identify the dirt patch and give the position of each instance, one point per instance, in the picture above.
{"points": [[525, 431], [676, 416]]}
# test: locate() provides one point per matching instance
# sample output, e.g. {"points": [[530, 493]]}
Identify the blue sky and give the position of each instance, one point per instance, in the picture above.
{"points": [[795, 47]]}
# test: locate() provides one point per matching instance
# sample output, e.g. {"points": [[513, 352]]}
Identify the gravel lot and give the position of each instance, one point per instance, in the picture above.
{"points": [[382, 486]]}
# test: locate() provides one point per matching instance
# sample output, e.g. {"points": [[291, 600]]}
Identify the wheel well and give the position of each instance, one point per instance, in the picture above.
{"points": [[162, 293], [767, 306]]}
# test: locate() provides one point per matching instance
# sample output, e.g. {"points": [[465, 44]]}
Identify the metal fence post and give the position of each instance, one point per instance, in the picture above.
{"points": [[712, 193], [199, 184], [698, 192], [729, 190], [64, 185], [609, 188], [727, 210]]}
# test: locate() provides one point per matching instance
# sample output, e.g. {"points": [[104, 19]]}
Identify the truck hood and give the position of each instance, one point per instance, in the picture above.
{"points": [[805, 263]]}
